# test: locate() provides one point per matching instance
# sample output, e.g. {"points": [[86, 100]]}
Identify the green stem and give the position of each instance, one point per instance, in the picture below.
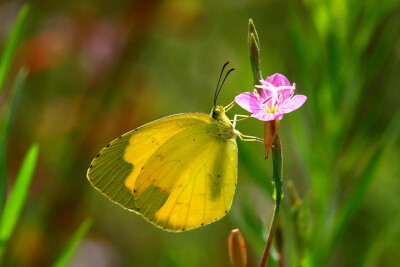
{"points": [[254, 54], [277, 159]]}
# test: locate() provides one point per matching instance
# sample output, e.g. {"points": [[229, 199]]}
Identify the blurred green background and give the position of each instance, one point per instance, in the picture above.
{"points": [[100, 68]]}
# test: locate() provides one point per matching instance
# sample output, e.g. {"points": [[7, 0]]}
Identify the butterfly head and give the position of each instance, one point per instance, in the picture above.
{"points": [[218, 113]]}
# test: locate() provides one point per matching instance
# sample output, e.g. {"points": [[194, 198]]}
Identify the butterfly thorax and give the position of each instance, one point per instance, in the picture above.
{"points": [[223, 126]]}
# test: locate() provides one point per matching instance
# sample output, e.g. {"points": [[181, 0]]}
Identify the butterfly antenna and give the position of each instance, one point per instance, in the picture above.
{"points": [[219, 90], [216, 90]]}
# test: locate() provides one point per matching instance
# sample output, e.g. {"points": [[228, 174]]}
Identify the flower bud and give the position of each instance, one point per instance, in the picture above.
{"points": [[252, 30], [237, 249], [254, 51]]}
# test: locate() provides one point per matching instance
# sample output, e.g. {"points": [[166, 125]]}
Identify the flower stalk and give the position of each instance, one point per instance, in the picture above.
{"points": [[277, 159], [271, 137]]}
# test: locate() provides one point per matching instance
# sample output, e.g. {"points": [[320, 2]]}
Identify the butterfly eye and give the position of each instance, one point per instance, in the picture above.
{"points": [[216, 112]]}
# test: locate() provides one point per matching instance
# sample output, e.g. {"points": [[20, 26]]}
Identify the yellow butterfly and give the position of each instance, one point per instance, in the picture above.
{"points": [[178, 172]]}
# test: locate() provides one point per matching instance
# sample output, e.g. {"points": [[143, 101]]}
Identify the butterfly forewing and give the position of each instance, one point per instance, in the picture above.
{"points": [[125, 156]]}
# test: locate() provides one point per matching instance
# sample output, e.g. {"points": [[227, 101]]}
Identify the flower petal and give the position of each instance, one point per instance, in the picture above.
{"points": [[248, 101], [266, 84], [265, 116], [278, 80], [267, 92], [285, 93], [293, 104]]}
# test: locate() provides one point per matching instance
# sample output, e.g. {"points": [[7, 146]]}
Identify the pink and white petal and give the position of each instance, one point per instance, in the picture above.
{"points": [[265, 83], [279, 115], [267, 92], [270, 101], [263, 88], [248, 101], [287, 92], [293, 104], [265, 116], [278, 80]]}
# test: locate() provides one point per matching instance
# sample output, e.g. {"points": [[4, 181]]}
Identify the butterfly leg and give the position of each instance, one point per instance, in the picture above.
{"points": [[250, 138], [238, 115], [229, 106]]}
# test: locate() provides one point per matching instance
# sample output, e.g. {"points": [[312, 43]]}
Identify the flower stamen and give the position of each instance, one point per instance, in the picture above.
{"points": [[272, 109]]}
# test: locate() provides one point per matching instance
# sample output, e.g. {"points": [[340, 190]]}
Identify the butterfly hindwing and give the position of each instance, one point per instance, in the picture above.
{"points": [[189, 181], [177, 172], [108, 171]]}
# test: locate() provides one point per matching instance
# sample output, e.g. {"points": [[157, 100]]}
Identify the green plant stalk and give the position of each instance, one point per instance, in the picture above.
{"points": [[73, 244], [8, 53], [5, 63], [279, 243], [389, 138], [5, 131], [16, 200], [277, 159], [255, 60], [327, 226]]}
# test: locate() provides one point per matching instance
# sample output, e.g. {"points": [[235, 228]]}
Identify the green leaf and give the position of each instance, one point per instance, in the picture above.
{"points": [[8, 53], [6, 130], [17, 196], [73, 244]]}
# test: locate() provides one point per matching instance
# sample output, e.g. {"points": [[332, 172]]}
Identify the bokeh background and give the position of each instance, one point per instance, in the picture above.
{"points": [[100, 68]]}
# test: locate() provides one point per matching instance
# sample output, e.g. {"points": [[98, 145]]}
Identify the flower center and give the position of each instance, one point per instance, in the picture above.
{"points": [[272, 109]]}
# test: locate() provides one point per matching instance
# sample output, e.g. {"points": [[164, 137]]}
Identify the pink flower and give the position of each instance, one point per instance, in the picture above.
{"points": [[276, 99]]}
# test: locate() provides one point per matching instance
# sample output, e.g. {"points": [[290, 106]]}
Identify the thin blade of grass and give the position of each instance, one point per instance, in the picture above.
{"points": [[73, 244], [17, 196], [6, 130], [382, 242], [8, 53], [387, 141]]}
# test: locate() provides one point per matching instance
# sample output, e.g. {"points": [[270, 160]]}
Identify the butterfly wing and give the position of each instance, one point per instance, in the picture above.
{"points": [[189, 181], [176, 172], [114, 169]]}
